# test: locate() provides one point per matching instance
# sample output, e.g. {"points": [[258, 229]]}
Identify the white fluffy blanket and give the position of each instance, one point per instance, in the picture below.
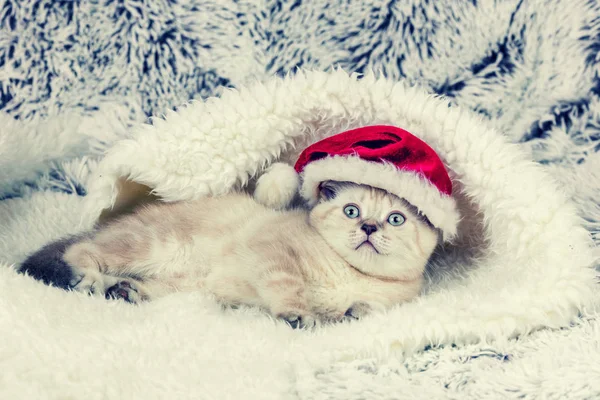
{"points": [[523, 262], [78, 76]]}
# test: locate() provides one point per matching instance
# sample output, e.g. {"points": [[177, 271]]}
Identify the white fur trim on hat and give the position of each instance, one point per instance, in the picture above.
{"points": [[277, 187], [439, 209]]}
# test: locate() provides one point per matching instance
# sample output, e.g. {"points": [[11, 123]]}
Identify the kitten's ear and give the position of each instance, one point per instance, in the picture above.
{"points": [[328, 190]]}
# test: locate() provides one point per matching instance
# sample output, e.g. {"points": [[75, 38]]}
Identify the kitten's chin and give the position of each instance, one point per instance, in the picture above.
{"points": [[379, 266], [367, 259], [399, 278]]}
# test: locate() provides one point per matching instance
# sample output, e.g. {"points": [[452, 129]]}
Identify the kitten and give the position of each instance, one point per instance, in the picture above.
{"points": [[358, 248]]}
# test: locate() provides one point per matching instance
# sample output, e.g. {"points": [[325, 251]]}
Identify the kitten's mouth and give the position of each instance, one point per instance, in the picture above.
{"points": [[367, 243]]}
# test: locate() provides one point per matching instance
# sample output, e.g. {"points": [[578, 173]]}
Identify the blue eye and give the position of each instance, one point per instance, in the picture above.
{"points": [[351, 211], [396, 219]]}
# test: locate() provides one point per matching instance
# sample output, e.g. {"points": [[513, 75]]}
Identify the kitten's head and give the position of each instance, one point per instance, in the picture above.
{"points": [[377, 233]]}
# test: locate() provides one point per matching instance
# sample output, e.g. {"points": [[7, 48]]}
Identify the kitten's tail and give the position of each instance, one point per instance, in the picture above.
{"points": [[47, 264]]}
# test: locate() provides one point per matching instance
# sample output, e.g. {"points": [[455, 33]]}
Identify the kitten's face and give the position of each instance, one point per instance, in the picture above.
{"points": [[377, 233]]}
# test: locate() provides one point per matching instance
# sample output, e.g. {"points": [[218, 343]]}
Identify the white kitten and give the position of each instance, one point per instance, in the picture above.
{"points": [[357, 249]]}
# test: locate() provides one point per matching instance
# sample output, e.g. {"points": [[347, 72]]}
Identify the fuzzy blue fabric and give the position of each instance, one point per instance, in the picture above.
{"points": [[531, 67], [76, 75]]}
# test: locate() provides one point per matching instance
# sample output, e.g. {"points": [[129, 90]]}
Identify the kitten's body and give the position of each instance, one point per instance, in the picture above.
{"points": [[298, 266]]}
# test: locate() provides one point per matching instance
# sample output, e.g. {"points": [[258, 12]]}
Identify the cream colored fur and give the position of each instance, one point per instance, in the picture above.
{"points": [[300, 267]]}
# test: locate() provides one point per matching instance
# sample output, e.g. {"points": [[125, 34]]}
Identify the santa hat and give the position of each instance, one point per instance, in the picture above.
{"points": [[384, 157]]}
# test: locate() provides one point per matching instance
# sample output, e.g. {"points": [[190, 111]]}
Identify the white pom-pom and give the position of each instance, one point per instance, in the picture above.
{"points": [[277, 187]]}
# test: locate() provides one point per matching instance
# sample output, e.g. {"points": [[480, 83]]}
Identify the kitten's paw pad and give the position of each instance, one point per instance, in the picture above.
{"points": [[358, 310], [297, 321], [124, 290]]}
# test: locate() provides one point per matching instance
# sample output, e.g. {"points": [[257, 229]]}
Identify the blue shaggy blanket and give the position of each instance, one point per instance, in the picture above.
{"points": [[76, 75], [99, 66]]}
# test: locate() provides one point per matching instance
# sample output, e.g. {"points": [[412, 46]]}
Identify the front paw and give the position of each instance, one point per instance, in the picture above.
{"points": [[359, 310], [89, 282], [298, 321], [127, 291]]}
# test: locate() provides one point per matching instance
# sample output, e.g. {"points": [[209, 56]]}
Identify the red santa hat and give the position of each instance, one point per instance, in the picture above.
{"points": [[384, 157]]}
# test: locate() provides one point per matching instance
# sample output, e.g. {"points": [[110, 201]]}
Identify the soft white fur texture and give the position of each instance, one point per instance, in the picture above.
{"points": [[532, 270], [440, 209], [29, 148], [277, 186]]}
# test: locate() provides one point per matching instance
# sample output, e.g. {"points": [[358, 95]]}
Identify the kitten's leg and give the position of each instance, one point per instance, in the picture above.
{"points": [[126, 290], [283, 293], [361, 309], [135, 291], [346, 311], [382, 295], [343, 304], [96, 272], [47, 264], [85, 262]]}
